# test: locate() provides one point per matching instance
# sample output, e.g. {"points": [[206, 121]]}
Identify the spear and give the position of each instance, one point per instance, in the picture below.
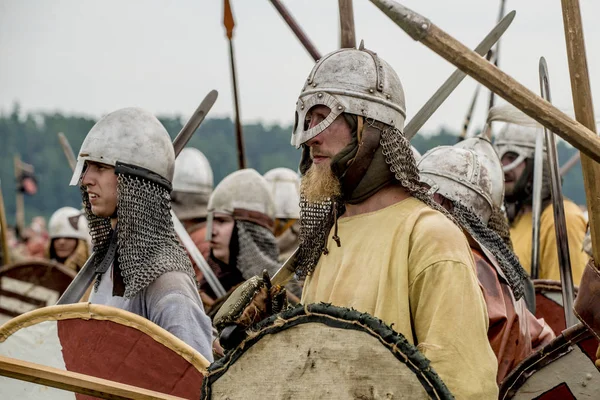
{"points": [[229, 24], [584, 111], [497, 52], [423, 30], [287, 17], [347, 32]]}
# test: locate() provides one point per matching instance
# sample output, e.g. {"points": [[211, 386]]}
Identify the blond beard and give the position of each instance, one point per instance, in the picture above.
{"points": [[319, 184]]}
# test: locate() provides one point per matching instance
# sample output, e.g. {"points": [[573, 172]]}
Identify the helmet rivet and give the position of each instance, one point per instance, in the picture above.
{"points": [[315, 84], [371, 90], [387, 96], [302, 107], [320, 95], [340, 108]]}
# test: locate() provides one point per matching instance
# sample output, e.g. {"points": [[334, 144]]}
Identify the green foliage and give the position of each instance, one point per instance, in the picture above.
{"points": [[34, 138]]}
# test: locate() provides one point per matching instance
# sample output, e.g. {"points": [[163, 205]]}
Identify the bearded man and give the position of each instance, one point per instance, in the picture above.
{"points": [[515, 145], [370, 236], [124, 169], [461, 182]]}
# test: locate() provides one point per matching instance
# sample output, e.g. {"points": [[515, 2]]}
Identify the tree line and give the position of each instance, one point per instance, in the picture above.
{"points": [[33, 136]]}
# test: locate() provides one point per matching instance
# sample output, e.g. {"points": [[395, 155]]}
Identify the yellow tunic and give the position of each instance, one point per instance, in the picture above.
{"points": [[521, 231], [412, 267]]}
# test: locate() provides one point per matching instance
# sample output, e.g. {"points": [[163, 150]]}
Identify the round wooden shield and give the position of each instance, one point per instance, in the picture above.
{"points": [[549, 304], [31, 284], [103, 342], [562, 370], [321, 351]]}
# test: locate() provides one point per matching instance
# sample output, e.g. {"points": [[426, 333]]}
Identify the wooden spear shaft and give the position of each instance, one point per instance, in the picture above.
{"points": [[229, 25], [287, 17], [347, 31], [584, 112], [421, 29], [76, 382]]}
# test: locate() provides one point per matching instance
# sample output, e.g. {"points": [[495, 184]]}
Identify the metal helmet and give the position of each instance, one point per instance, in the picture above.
{"points": [[68, 222], [517, 139], [285, 188], [245, 195], [128, 137], [488, 156], [460, 176], [350, 81], [193, 173]]}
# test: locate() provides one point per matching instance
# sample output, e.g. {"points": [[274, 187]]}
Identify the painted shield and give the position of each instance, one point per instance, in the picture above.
{"points": [[562, 370], [31, 284], [103, 342], [549, 304], [321, 351]]}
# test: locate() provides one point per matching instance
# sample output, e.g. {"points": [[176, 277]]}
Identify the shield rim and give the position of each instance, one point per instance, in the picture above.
{"points": [[336, 317], [99, 312]]}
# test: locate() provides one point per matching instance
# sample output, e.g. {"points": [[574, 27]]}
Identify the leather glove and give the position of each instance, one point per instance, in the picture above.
{"points": [[253, 301]]}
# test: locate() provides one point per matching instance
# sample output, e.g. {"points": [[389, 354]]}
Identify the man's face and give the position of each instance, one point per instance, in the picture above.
{"points": [[64, 247], [329, 142], [222, 229], [319, 182], [511, 177], [100, 182]]}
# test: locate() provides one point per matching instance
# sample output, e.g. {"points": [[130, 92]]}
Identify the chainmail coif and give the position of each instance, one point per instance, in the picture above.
{"points": [[509, 263], [499, 224], [148, 245], [317, 219], [257, 250]]}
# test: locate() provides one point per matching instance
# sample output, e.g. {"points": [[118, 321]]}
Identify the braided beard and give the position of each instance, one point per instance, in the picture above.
{"points": [[509, 263]]}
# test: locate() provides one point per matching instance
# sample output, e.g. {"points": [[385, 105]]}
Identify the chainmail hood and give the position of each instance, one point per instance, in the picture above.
{"points": [[488, 238], [257, 250], [147, 244]]}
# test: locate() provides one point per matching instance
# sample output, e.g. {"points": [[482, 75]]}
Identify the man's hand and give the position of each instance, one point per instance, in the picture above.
{"points": [[253, 301]]}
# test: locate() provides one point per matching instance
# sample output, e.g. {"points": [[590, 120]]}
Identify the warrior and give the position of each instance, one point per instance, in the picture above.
{"points": [[285, 188], [69, 238], [124, 169], [240, 229], [460, 181], [515, 145], [370, 236], [192, 187]]}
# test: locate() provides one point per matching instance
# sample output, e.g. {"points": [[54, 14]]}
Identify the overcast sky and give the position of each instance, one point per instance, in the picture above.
{"points": [[92, 57]]}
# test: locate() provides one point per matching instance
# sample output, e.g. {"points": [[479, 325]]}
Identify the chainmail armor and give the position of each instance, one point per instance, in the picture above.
{"points": [[499, 224], [509, 263], [317, 219], [257, 250], [148, 245]]}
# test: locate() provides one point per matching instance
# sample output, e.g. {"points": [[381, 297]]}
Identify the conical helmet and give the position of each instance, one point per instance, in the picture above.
{"points": [[350, 81], [488, 156], [193, 173], [460, 176], [68, 222], [285, 188], [130, 137]]}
